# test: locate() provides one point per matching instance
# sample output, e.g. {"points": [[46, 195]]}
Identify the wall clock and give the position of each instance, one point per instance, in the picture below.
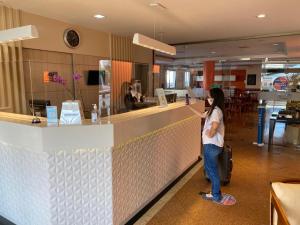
{"points": [[71, 38]]}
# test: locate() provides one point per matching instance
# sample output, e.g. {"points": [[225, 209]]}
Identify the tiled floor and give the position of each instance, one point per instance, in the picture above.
{"points": [[253, 170]]}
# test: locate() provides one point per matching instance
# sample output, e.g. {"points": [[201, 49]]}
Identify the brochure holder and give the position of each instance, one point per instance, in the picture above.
{"points": [[71, 113]]}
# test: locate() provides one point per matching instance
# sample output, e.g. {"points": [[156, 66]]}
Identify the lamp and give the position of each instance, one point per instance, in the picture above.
{"points": [[153, 44], [18, 34], [156, 69]]}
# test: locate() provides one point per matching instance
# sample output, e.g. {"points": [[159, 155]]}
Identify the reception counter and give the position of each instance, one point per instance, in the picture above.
{"points": [[93, 174]]}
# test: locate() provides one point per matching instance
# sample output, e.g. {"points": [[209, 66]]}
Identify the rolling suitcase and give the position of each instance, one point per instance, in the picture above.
{"points": [[225, 165]]}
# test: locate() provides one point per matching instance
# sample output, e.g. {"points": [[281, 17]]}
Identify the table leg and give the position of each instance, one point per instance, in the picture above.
{"points": [[271, 132]]}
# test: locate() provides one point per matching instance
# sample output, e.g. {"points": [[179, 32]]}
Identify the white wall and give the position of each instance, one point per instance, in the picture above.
{"points": [[94, 43]]}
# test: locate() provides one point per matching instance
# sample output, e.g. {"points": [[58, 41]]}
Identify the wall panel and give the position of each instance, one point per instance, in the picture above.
{"points": [[121, 77], [41, 61], [12, 91]]}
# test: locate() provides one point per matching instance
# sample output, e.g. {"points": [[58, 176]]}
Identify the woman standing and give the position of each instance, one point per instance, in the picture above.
{"points": [[213, 141]]}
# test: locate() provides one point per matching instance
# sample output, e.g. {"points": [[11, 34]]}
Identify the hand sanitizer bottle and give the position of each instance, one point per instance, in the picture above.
{"points": [[94, 114]]}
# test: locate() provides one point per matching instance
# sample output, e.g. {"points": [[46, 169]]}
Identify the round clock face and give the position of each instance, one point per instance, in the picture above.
{"points": [[71, 38]]}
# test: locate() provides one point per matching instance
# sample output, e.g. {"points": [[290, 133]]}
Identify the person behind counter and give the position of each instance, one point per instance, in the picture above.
{"points": [[129, 99]]}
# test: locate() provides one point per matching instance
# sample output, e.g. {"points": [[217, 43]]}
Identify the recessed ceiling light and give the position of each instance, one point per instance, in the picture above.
{"points": [[245, 59], [157, 4], [212, 52], [153, 4], [99, 16], [276, 44], [261, 16]]}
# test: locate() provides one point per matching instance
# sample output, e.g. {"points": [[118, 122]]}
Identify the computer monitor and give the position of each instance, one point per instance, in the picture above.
{"points": [[38, 106]]}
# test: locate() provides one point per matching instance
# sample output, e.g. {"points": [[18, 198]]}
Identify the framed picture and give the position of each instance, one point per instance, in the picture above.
{"points": [[251, 79]]}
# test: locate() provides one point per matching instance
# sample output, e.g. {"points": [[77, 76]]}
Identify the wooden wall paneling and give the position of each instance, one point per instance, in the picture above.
{"points": [[121, 76], [122, 58], [12, 76], [113, 88], [12, 61], [21, 79], [15, 80], [122, 48], [43, 60], [113, 48], [120, 53], [8, 61], [6, 102], [15, 58], [7, 77], [119, 83], [3, 96], [126, 49], [112, 101]]}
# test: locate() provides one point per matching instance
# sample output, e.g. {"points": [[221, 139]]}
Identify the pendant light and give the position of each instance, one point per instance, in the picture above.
{"points": [[153, 44], [18, 34]]}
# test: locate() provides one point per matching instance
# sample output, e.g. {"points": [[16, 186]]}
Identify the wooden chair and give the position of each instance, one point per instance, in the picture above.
{"points": [[275, 205], [228, 109], [236, 107]]}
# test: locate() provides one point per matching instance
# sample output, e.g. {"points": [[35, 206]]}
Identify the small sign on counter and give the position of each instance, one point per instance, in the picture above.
{"points": [[52, 119]]}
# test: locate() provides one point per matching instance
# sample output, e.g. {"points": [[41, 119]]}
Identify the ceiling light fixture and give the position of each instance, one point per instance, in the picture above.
{"points": [[153, 44], [212, 52], [276, 44], [261, 16], [99, 16], [246, 59], [157, 4], [18, 33]]}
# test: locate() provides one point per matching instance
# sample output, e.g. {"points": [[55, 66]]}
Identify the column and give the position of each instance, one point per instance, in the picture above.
{"points": [[208, 74]]}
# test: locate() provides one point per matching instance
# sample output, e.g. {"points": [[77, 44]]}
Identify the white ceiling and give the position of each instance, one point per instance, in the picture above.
{"points": [[284, 47], [182, 21], [185, 21]]}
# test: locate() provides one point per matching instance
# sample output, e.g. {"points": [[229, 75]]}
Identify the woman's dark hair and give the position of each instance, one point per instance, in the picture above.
{"points": [[218, 95]]}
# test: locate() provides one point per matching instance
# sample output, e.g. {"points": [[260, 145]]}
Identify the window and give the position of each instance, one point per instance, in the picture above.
{"points": [[187, 79], [171, 79]]}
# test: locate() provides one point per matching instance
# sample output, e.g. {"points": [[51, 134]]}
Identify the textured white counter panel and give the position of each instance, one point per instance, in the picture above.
{"points": [[144, 166], [20, 132], [91, 174], [133, 124], [150, 152], [55, 175]]}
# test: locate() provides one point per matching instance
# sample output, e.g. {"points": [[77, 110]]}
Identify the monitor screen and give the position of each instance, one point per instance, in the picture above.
{"points": [[251, 79], [93, 77]]}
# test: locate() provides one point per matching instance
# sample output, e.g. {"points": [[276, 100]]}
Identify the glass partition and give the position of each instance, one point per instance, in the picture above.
{"points": [[280, 83], [281, 77]]}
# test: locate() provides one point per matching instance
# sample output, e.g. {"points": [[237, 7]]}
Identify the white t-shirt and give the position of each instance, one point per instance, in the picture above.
{"points": [[218, 139]]}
